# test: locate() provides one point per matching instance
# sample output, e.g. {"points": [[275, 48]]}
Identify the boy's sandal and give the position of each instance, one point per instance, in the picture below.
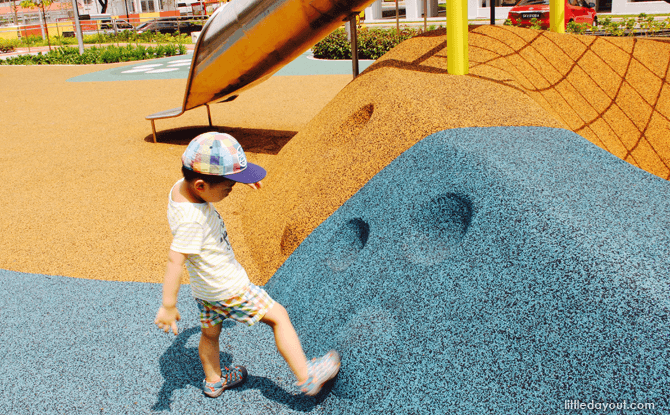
{"points": [[230, 378], [319, 372]]}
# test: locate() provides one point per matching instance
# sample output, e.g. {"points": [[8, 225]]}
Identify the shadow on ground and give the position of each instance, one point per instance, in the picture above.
{"points": [[252, 140], [180, 367]]}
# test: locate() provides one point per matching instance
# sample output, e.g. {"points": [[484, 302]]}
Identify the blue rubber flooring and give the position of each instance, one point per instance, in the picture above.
{"points": [[177, 67], [510, 270]]}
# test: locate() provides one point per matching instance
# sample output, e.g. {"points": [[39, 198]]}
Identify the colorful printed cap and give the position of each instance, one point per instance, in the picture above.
{"points": [[219, 154]]}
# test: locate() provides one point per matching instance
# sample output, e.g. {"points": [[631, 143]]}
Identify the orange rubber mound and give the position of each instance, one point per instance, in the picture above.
{"points": [[612, 91]]}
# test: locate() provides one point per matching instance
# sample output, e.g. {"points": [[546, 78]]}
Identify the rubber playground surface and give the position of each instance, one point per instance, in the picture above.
{"points": [[490, 243], [178, 66]]}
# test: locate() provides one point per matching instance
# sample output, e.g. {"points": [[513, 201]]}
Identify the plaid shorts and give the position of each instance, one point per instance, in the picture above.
{"points": [[249, 307]]}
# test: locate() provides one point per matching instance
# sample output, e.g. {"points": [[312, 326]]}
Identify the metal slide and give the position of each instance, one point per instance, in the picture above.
{"points": [[247, 41]]}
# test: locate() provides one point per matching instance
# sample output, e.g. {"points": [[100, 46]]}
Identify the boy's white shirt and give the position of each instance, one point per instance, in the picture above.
{"points": [[199, 232]]}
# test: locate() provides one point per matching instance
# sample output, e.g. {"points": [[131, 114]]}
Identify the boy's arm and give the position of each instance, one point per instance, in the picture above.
{"points": [[168, 315]]}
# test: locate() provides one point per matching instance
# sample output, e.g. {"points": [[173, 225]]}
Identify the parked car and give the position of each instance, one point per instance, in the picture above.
{"points": [[169, 25], [191, 7], [577, 11], [120, 24]]}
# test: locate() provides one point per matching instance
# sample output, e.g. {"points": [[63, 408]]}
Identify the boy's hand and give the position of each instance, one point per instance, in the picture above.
{"points": [[167, 318], [256, 185]]}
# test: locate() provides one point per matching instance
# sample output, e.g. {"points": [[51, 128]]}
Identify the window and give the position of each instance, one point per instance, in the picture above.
{"points": [[148, 6]]}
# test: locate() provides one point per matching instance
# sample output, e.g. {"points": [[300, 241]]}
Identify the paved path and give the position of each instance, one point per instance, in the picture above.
{"points": [[176, 67]]}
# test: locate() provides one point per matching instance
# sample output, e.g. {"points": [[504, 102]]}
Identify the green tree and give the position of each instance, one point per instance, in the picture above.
{"points": [[42, 5]]}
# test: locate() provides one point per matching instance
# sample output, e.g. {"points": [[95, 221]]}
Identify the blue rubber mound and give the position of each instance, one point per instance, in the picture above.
{"points": [[492, 271], [484, 271]]}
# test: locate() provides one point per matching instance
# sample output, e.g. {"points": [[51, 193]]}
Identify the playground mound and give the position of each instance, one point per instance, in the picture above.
{"points": [[613, 92], [499, 270], [88, 199]]}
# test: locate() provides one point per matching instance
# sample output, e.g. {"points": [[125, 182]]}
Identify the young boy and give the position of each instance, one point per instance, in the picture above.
{"points": [[212, 164]]}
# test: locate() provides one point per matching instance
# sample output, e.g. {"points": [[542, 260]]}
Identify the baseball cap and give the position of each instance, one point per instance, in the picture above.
{"points": [[219, 154]]}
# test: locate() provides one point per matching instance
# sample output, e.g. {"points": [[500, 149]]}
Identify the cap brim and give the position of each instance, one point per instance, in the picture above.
{"points": [[251, 174]]}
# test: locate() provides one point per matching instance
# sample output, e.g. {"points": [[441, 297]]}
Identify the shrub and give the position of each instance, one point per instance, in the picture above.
{"points": [[8, 45], [62, 40], [333, 46], [658, 25], [577, 28], [627, 26], [102, 38], [535, 24], [33, 40], [372, 43], [651, 26], [70, 56]]}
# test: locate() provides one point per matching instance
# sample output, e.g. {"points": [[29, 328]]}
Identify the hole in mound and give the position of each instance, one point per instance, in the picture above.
{"points": [[290, 239], [436, 225], [346, 243], [300, 223], [356, 122]]}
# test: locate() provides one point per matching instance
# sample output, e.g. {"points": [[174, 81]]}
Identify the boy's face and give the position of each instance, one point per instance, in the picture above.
{"points": [[214, 192]]}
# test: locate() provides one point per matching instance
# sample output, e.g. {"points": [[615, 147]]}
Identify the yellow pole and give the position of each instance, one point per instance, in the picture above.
{"points": [[557, 16], [457, 37]]}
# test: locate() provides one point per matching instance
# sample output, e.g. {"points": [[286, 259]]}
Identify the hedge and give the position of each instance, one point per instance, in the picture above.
{"points": [[372, 43], [109, 54]]}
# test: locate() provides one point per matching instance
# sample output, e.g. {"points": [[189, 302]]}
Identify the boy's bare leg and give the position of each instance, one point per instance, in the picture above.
{"points": [[287, 341], [209, 353]]}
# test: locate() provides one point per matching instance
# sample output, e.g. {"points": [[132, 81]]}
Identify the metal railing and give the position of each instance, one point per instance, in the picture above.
{"points": [[65, 27]]}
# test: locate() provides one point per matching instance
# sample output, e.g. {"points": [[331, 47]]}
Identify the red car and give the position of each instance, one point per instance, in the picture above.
{"points": [[577, 11]]}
